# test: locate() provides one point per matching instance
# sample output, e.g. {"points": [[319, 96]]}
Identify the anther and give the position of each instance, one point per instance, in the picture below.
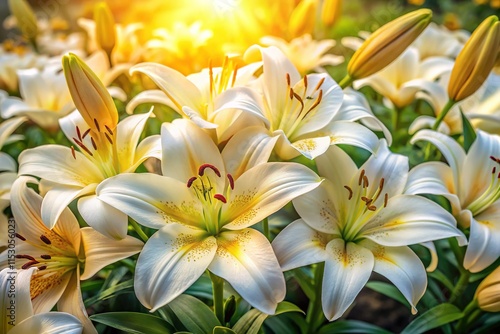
{"points": [[372, 208], [78, 132], [23, 256], [318, 101], [29, 264], [86, 133], [291, 93], [305, 82], [108, 138], [386, 199], [288, 79], [109, 130], [93, 143], [381, 185], [494, 170], [202, 168], [231, 181], [190, 181], [73, 152], [319, 84], [234, 76], [20, 237], [220, 197], [361, 177], [46, 257], [97, 125], [365, 182], [350, 192], [83, 147], [42, 267], [45, 239]]}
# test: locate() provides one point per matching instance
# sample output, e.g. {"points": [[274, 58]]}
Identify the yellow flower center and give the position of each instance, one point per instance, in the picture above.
{"points": [[490, 195]]}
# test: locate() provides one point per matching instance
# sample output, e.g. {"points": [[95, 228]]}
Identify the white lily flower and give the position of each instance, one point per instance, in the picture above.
{"points": [[59, 253], [10, 62], [358, 221], [203, 206], [470, 182], [17, 311], [438, 41], [8, 171], [305, 53], [307, 114], [400, 81], [211, 98]]}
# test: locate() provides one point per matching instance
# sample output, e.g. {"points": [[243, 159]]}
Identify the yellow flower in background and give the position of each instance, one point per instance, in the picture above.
{"points": [[105, 31], [488, 292]]}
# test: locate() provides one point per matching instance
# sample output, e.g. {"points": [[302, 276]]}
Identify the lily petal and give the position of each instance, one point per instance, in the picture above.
{"points": [[8, 127], [7, 163], [149, 96], [399, 224], [246, 260], [49, 323], [347, 269], [152, 200], [241, 98], [103, 217], [351, 134], [312, 148], [21, 299], [172, 259], [101, 251], [299, 245], [263, 190]]}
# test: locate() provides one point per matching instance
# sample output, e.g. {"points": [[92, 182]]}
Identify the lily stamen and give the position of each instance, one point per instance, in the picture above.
{"points": [[231, 181], [221, 198], [45, 239], [350, 192], [73, 152], [97, 125], [202, 168]]}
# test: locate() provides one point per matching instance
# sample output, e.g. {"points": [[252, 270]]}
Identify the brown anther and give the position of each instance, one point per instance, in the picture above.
{"points": [[372, 208], [78, 133], [29, 264], [367, 200], [288, 81], [365, 182], [45, 239], [319, 84], [83, 147], [93, 143], [299, 99], [190, 181], [494, 170], [318, 101], [20, 237], [381, 185], [46, 257], [202, 168], [108, 138], [85, 133], [305, 81], [73, 153], [231, 181], [361, 177], [234, 76], [108, 129], [220, 197], [23, 256], [97, 125], [42, 267], [350, 192], [291, 93], [386, 199]]}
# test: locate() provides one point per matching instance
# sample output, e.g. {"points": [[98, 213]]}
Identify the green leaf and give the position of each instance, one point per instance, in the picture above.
{"points": [[194, 315], [110, 292], [132, 322], [439, 276], [250, 322], [435, 317], [351, 326], [286, 323], [223, 330], [388, 290], [305, 281], [285, 307], [468, 131]]}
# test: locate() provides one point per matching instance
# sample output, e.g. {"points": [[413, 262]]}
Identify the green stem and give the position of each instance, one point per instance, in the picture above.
{"points": [[395, 120], [138, 229], [471, 312], [218, 295], [314, 311], [443, 113], [346, 82], [463, 281], [265, 228]]}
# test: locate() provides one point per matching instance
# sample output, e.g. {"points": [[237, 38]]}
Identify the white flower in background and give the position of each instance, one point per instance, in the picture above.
{"points": [[24, 319], [305, 53], [59, 253], [10, 62], [358, 221], [470, 181], [8, 171], [438, 41], [401, 80], [204, 205]]}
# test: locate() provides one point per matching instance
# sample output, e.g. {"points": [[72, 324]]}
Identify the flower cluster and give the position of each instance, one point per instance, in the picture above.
{"points": [[206, 183]]}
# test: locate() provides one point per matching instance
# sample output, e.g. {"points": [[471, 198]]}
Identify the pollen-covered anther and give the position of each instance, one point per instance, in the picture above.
{"points": [[82, 146], [42, 267], [372, 208], [29, 264], [350, 192], [108, 129], [93, 143], [20, 237], [220, 197], [79, 134], [24, 256], [46, 257], [231, 181], [494, 170], [86, 133], [202, 168], [73, 152], [97, 125], [361, 177], [386, 199], [45, 239], [108, 138], [497, 160], [190, 181], [365, 181]]}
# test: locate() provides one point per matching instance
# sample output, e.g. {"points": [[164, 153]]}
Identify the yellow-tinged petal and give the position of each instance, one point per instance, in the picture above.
{"points": [[387, 43], [303, 18], [90, 96], [488, 292], [26, 20], [105, 31], [475, 61], [331, 11]]}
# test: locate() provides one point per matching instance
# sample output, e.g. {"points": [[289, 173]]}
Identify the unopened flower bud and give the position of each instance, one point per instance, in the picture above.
{"points": [[303, 18], [488, 292], [331, 11], [90, 96], [387, 43], [26, 19], [105, 31], [475, 61]]}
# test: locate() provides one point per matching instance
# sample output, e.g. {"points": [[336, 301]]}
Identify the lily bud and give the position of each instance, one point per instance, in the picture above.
{"points": [[387, 43], [26, 19], [331, 11], [90, 96], [303, 18], [475, 61], [488, 292], [105, 31]]}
